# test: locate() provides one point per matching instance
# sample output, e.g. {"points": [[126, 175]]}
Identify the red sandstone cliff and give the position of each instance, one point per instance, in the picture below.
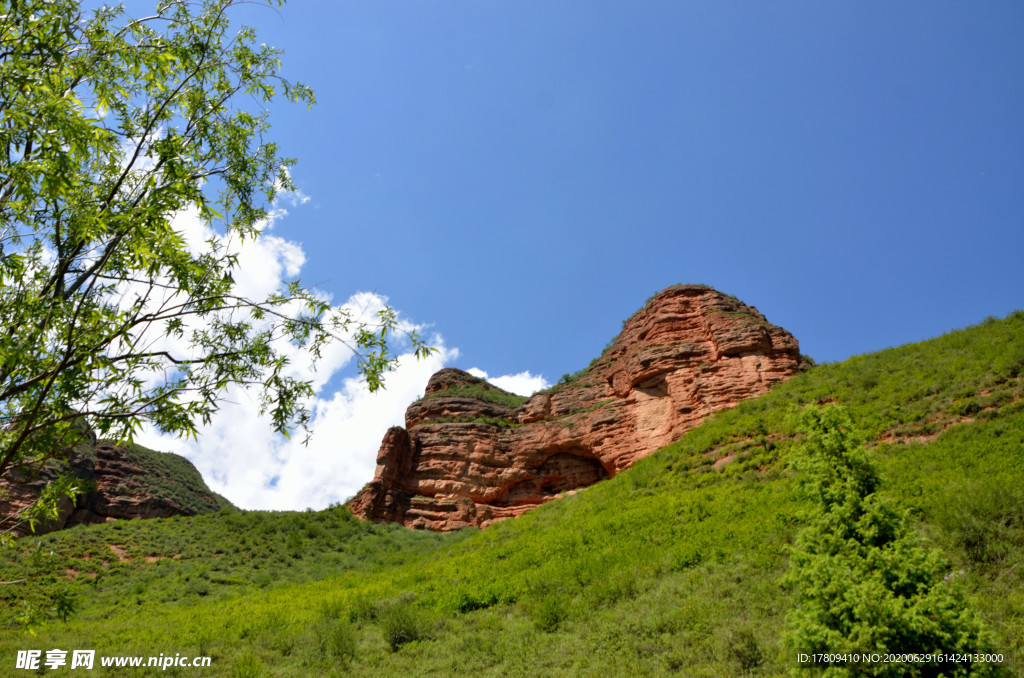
{"points": [[470, 455], [131, 482]]}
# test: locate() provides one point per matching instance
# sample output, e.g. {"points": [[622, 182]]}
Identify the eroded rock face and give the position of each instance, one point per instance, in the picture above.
{"points": [[131, 482], [470, 454]]}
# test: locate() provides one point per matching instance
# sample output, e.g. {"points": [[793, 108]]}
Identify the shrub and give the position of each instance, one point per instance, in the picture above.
{"points": [[401, 624], [550, 613], [464, 601], [864, 583]]}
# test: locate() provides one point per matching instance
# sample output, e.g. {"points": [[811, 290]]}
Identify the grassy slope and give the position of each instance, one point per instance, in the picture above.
{"points": [[669, 568]]}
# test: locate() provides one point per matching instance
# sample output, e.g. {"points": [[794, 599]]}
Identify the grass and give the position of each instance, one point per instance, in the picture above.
{"points": [[485, 392], [670, 568], [147, 563]]}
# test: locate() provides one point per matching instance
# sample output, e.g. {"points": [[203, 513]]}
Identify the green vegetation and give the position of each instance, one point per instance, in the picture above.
{"points": [[482, 391], [568, 378], [574, 377], [674, 567], [864, 583], [213, 556]]}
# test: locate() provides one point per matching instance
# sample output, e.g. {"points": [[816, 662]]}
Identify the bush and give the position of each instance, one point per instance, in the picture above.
{"points": [[864, 583], [401, 624], [464, 602], [550, 613]]}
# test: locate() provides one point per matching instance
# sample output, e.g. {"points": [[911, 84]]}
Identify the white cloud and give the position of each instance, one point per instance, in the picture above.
{"points": [[523, 383]]}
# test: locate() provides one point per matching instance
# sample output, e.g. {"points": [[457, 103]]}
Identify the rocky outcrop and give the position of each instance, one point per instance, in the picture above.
{"points": [[471, 454], [131, 481]]}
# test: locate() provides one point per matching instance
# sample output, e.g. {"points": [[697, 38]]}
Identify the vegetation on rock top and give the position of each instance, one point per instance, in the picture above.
{"points": [[173, 477], [495, 395]]}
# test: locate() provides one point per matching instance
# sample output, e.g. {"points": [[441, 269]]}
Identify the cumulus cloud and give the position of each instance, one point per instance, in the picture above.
{"points": [[523, 383]]}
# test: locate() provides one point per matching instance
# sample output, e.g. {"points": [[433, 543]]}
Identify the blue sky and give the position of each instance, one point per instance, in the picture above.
{"points": [[522, 176], [519, 177]]}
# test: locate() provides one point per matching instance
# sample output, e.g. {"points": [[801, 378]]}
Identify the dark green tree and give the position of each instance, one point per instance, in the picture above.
{"points": [[864, 582], [110, 128]]}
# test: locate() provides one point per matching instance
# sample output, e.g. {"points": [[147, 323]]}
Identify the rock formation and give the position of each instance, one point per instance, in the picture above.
{"points": [[471, 454], [131, 482]]}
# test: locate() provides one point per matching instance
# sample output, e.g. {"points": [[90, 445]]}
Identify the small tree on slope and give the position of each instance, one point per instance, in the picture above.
{"points": [[864, 582]]}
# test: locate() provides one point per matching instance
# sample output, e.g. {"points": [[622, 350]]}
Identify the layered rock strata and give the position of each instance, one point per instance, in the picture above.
{"points": [[471, 454], [131, 482]]}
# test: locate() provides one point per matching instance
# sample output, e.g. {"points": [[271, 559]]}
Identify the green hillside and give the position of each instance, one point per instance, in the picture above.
{"points": [[670, 568]]}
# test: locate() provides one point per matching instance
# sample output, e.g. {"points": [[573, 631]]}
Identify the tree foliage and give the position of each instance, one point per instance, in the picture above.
{"points": [[112, 128], [865, 584]]}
